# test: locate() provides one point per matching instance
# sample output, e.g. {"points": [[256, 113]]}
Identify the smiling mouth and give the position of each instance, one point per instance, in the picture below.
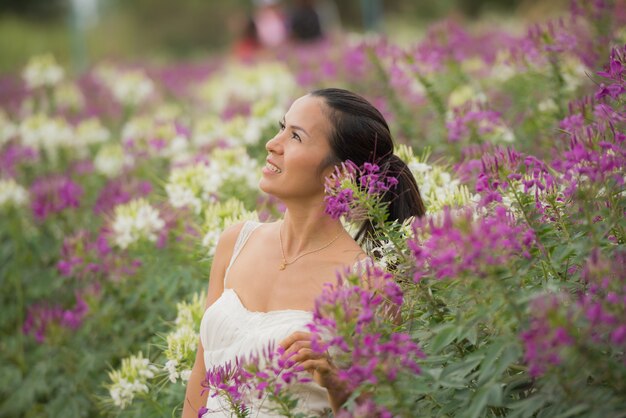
{"points": [[273, 168]]}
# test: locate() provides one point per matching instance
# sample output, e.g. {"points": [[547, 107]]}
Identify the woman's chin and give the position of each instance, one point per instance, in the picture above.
{"points": [[265, 187]]}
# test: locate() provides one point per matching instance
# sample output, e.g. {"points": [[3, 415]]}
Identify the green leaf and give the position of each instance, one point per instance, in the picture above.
{"points": [[444, 336]]}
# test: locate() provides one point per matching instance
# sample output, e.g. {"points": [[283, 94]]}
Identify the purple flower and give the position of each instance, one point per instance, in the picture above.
{"points": [[350, 186], [40, 316], [119, 191], [543, 340], [468, 122], [614, 72], [13, 155], [460, 244], [347, 322], [54, 194]]}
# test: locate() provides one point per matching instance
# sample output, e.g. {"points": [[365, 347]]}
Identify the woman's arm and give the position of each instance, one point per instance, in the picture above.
{"points": [[193, 398]]}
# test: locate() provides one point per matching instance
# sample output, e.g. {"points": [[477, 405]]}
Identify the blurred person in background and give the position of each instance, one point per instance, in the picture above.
{"points": [[304, 22], [247, 45], [271, 23]]}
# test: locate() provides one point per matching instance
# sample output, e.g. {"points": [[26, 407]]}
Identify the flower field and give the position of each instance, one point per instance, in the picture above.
{"points": [[507, 299]]}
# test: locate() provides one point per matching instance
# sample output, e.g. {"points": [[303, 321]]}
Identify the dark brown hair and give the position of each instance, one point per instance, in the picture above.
{"points": [[360, 134]]}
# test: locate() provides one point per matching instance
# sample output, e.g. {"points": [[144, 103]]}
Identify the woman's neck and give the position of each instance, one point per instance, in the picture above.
{"points": [[306, 227]]}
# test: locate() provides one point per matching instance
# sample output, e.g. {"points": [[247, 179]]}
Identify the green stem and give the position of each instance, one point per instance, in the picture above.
{"points": [[542, 247]]}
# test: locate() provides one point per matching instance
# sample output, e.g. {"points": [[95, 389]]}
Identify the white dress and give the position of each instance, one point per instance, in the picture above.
{"points": [[228, 330]]}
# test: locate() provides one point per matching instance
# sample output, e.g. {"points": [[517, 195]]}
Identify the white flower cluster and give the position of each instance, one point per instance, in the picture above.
{"points": [[186, 186], [130, 88], [7, 128], [134, 221], [182, 341], [130, 380], [159, 137], [230, 173], [239, 130], [218, 217], [437, 187], [12, 194], [234, 167], [69, 96], [111, 160], [42, 71], [248, 84], [386, 254], [51, 134], [45, 133], [90, 131]]}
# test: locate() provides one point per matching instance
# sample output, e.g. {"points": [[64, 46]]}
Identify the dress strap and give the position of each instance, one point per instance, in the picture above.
{"points": [[242, 238]]}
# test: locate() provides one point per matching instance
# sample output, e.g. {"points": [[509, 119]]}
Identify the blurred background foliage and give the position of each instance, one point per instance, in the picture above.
{"points": [[164, 30]]}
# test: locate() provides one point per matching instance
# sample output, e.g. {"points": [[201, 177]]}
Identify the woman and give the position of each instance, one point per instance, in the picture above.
{"points": [[265, 277]]}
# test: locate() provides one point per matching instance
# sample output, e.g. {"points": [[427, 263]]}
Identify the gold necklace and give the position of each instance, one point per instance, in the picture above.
{"points": [[285, 263]]}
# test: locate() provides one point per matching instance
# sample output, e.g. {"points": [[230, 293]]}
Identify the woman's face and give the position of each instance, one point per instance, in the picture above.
{"points": [[297, 151]]}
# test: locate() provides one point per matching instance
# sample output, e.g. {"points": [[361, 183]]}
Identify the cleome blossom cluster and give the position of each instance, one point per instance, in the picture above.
{"points": [[134, 221], [352, 190], [130, 380]]}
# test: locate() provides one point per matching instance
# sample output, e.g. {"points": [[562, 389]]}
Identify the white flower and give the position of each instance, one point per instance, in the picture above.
{"points": [[170, 367], [182, 340], [12, 194], [132, 88], [464, 94], [386, 254], [240, 83], [111, 160], [219, 216], [7, 128], [69, 96], [185, 375], [436, 185], [186, 186], [90, 131], [48, 134], [134, 221], [547, 106], [130, 379], [42, 71], [207, 130]]}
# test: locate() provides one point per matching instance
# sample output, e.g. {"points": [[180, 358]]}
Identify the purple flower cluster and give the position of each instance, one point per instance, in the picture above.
{"points": [[615, 73], [84, 257], [546, 336], [229, 381], [366, 408], [543, 42], [447, 41], [595, 152], [39, 317], [594, 321], [120, 191], [604, 303], [468, 121], [261, 375], [54, 194], [349, 185], [458, 244], [373, 181], [14, 154], [348, 321]]}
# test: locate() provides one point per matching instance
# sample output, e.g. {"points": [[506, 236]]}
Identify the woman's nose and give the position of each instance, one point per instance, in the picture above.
{"points": [[273, 145]]}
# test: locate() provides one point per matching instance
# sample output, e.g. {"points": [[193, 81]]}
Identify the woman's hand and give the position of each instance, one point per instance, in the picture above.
{"points": [[297, 348]]}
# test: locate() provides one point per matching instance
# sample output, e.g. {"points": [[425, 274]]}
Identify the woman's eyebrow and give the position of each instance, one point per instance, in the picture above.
{"points": [[295, 127]]}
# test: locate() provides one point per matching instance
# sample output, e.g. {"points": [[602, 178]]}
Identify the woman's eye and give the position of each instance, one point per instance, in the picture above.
{"points": [[296, 137], [281, 126]]}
